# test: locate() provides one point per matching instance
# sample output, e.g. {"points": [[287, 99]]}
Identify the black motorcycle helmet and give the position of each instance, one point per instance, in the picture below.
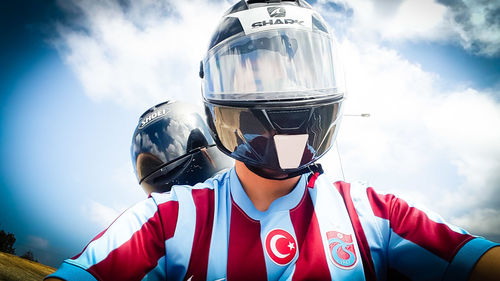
{"points": [[172, 145], [269, 87]]}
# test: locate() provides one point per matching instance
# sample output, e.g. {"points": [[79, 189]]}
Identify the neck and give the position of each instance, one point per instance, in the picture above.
{"points": [[261, 191]]}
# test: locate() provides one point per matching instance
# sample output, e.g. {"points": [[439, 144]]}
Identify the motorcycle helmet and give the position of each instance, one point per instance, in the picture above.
{"points": [[172, 145], [269, 87]]}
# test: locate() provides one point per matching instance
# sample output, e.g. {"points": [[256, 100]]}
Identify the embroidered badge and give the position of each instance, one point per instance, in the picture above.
{"points": [[342, 251], [280, 246]]}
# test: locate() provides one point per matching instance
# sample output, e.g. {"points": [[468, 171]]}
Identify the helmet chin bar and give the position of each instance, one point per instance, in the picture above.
{"points": [[279, 175]]}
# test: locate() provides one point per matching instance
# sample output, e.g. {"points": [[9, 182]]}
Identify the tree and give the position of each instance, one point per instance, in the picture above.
{"points": [[29, 256], [7, 241]]}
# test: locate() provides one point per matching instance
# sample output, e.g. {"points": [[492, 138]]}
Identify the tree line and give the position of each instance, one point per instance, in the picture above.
{"points": [[7, 241]]}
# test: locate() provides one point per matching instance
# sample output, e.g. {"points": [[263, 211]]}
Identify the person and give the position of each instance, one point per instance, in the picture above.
{"points": [[273, 105], [172, 145]]}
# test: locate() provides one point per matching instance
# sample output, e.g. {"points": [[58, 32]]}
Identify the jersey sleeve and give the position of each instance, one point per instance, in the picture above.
{"points": [[408, 242], [131, 248]]}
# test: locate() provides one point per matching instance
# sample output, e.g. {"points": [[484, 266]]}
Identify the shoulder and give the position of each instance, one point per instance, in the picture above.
{"points": [[362, 195], [180, 193], [356, 190], [186, 201]]}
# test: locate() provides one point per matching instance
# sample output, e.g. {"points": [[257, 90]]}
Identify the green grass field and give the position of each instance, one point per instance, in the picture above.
{"points": [[14, 268]]}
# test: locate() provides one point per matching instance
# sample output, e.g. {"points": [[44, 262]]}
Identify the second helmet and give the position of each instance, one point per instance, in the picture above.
{"points": [[172, 145]]}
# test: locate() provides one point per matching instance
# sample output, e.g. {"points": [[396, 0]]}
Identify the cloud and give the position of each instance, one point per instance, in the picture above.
{"points": [[475, 25], [113, 200], [99, 214], [138, 53], [436, 145], [425, 140], [483, 221], [394, 20], [38, 243]]}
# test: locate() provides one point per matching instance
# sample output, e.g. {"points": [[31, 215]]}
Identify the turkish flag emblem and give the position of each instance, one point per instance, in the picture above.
{"points": [[281, 247], [342, 251]]}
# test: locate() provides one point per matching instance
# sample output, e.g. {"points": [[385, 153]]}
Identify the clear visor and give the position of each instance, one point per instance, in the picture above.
{"points": [[271, 65]]}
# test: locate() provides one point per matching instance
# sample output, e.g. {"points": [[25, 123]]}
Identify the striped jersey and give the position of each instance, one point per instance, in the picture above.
{"points": [[319, 231]]}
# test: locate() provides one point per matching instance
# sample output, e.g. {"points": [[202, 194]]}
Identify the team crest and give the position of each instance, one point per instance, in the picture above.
{"points": [[281, 247], [342, 250]]}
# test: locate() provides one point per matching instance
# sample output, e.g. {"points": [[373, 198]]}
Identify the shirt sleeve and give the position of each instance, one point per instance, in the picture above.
{"points": [[419, 244], [131, 248]]}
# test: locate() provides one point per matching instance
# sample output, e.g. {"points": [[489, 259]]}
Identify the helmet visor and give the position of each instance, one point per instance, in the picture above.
{"points": [[190, 169], [271, 65]]}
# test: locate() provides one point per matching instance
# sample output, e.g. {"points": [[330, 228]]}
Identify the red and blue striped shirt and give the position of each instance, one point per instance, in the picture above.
{"points": [[319, 231]]}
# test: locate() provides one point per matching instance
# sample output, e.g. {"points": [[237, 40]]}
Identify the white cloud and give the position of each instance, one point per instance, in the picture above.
{"points": [[124, 192], [99, 214], [465, 124], [395, 20], [476, 25], [483, 221], [473, 24], [432, 142], [139, 53], [438, 146]]}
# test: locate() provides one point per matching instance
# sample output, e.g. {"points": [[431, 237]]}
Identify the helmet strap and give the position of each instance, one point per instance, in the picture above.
{"points": [[314, 169]]}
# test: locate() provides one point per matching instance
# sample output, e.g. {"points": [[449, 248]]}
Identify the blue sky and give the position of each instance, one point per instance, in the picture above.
{"points": [[77, 75]]}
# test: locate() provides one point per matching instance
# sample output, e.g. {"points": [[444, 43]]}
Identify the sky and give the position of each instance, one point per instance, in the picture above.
{"points": [[76, 76]]}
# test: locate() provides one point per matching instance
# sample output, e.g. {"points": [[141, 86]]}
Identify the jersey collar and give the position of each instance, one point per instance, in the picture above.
{"points": [[284, 203]]}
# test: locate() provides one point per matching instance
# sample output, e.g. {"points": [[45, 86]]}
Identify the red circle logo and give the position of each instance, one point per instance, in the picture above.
{"points": [[280, 246]]}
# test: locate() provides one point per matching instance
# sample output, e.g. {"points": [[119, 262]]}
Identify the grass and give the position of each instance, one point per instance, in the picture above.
{"points": [[14, 268]]}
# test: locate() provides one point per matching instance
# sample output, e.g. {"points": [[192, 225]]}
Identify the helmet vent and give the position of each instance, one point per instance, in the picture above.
{"points": [[230, 26], [240, 6], [289, 119]]}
